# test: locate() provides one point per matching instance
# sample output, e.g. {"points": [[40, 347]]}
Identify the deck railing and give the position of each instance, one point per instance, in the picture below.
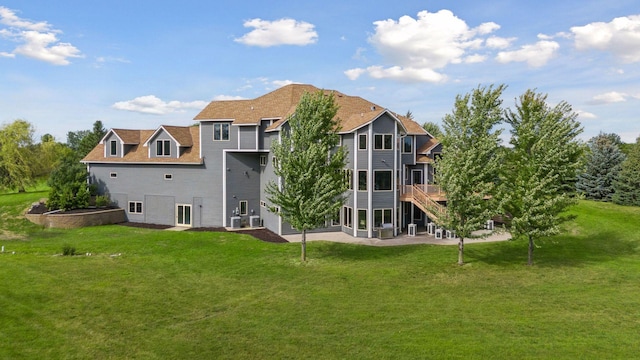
{"points": [[421, 196]]}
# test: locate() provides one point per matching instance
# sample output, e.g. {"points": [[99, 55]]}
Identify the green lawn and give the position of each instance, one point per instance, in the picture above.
{"points": [[159, 294]]}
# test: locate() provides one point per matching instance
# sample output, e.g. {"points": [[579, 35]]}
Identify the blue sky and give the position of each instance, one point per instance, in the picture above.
{"points": [[141, 64]]}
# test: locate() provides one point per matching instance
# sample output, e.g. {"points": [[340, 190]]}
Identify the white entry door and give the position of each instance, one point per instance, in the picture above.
{"points": [[183, 215]]}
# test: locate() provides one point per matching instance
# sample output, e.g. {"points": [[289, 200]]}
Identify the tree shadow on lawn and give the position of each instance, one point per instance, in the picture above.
{"points": [[557, 251], [358, 252]]}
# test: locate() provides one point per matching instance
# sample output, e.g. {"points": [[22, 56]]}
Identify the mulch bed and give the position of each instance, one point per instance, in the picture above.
{"points": [[260, 234]]}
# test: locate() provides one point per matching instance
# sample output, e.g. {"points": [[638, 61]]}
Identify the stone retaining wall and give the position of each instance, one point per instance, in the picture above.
{"points": [[76, 220]]}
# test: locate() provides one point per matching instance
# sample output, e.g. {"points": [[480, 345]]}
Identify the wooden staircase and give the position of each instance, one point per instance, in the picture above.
{"points": [[425, 202]]}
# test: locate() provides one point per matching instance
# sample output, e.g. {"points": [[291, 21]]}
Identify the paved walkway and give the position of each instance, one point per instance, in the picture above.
{"points": [[403, 239]]}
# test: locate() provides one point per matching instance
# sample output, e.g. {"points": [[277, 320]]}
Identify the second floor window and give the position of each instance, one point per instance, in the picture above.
{"points": [[407, 144], [113, 149], [362, 142], [383, 142], [220, 132], [163, 148]]}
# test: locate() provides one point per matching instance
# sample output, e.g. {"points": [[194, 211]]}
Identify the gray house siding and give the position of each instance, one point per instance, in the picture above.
{"points": [[247, 137], [243, 184], [108, 140]]}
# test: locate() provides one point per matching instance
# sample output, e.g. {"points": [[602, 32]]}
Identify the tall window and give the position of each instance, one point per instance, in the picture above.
{"points": [[362, 142], [348, 178], [362, 219], [362, 180], [383, 142], [263, 160], [163, 148], [243, 207], [407, 144], [220, 132], [382, 180], [113, 150], [347, 218]]}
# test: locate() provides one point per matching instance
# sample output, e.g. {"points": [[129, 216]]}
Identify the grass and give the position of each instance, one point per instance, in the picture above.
{"points": [[159, 294]]}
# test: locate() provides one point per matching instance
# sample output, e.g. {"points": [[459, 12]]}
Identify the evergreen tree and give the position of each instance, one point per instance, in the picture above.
{"points": [[68, 183], [603, 163], [470, 161], [309, 164], [627, 186], [538, 179]]}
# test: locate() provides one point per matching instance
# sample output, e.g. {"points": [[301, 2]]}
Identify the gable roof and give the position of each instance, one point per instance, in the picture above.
{"points": [[126, 136], [428, 146], [139, 154], [353, 111], [181, 135]]}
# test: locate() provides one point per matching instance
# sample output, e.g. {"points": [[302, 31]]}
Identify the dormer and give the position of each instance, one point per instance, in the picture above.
{"points": [[169, 142], [118, 142]]}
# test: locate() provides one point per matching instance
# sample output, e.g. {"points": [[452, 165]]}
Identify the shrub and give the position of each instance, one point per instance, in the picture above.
{"points": [[102, 200], [68, 250]]}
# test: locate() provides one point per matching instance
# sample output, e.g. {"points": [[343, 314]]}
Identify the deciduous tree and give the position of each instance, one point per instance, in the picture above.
{"points": [[470, 161], [309, 165], [17, 160], [538, 179]]}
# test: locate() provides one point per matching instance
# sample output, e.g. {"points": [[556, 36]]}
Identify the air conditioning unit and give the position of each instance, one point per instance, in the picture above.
{"points": [[254, 221], [236, 222], [490, 225], [412, 229], [439, 233], [431, 228], [451, 234]]}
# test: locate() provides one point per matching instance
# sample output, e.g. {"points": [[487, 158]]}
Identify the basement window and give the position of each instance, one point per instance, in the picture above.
{"points": [[168, 176], [113, 175]]}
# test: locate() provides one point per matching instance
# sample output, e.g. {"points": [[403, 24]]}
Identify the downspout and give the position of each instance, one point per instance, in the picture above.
{"points": [[370, 184]]}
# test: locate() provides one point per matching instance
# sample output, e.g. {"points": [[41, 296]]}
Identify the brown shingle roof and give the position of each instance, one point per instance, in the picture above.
{"points": [[353, 111], [433, 142], [140, 154]]}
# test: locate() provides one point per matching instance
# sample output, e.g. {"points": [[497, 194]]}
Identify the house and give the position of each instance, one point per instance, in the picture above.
{"points": [[214, 173]]}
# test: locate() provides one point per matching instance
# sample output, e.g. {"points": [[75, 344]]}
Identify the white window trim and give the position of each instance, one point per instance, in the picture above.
{"points": [[222, 132], [246, 207], [383, 210], [383, 142], [164, 143], [366, 219], [112, 147], [374, 180], [263, 160], [365, 142], [348, 209], [412, 144], [357, 183], [135, 205], [113, 175], [168, 177]]}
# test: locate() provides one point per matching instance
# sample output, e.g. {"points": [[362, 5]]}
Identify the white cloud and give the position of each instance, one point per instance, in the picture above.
{"points": [[37, 40], [281, 83], [496, 42], [535, 55], [586, 114], [621, 36], [415, 49], [150, 104], [279, 32], [610, 97]]}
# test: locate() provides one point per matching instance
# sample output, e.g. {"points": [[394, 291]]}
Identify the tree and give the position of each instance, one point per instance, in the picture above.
{"points": [[538, 179], [68, 182], [309, 164], [470, 161], [627, 186], [48, 154], [433, 129], [16, 155], [603, 163], [83, 141]]}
